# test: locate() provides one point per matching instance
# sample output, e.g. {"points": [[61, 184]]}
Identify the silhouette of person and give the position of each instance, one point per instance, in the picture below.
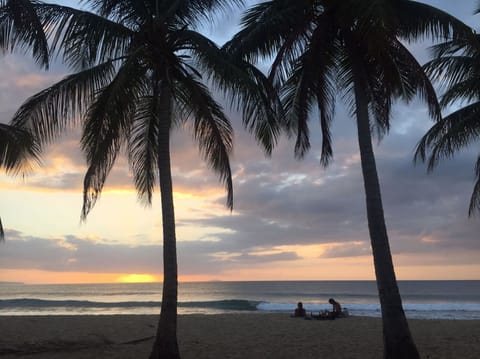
{"points": [[299, 310], [337, 308]]}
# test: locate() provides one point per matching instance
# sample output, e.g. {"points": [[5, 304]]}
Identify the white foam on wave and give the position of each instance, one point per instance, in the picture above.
{"points": [[412, 310]]}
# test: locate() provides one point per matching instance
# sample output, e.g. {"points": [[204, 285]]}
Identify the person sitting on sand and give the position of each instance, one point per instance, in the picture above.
{"points": [[299, 310], [337, 308]]}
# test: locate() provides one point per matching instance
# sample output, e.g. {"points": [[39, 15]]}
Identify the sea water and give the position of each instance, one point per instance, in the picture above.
{"points": [[421, 299]]}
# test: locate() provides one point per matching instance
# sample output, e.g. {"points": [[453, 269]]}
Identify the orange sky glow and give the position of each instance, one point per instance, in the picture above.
{"points": [[359, 269]]}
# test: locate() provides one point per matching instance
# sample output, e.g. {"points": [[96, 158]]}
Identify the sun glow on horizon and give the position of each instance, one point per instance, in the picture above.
{"points": [[137, 278]]}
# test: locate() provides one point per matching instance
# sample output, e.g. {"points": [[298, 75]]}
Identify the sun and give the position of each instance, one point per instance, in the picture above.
{"points": [[137, 278]]}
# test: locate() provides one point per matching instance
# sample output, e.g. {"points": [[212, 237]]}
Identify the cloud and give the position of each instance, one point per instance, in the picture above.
{"points": [[74, 254], [350, 249], [21, 78]]}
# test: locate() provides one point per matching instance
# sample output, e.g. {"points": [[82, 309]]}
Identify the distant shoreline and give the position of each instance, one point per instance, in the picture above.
{"points": [[16, 283]]}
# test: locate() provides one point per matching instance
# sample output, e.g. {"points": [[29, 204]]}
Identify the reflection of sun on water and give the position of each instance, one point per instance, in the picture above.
{"points": [[137, 278]]}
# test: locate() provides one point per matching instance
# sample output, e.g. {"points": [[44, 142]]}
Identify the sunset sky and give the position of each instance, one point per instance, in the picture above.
{"points": [[292, 220]]}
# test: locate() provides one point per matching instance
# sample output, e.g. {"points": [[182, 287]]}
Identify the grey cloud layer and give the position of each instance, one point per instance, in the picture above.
{"points": [[72, 254]]}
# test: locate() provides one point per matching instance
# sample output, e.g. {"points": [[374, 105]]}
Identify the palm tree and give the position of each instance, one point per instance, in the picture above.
{"points": [[457, 66], [17, 149], [321, 46], [140, 70]]}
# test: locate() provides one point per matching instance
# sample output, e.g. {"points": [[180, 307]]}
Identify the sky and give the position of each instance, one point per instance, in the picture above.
{"points": [[292, 220]]}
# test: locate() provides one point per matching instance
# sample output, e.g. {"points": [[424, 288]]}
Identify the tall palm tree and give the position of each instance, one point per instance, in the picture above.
{"points": [[322, 46], [457, 67], [17, 149], [140, 70]]}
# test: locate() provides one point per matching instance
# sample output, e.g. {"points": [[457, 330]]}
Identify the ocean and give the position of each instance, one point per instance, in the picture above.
{"points": [[421, 299]]}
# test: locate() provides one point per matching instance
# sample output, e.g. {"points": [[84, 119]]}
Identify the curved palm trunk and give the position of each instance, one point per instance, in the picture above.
{"points": [[166, 345], [397, 340]]}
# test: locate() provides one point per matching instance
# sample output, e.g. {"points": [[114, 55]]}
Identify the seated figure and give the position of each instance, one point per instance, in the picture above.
{"points": [[337, 311], [337, 308], [299, 310]]}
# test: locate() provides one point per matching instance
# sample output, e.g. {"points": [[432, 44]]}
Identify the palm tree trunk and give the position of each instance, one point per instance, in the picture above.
{"points": [[166, 346], [397, 340]]}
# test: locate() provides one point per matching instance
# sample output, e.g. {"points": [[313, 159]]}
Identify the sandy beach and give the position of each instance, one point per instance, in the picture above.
{"points": [[255, 336]]}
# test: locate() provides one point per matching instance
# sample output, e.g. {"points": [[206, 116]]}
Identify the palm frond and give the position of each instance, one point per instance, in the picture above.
{"points": [[458, 70], [48, 113], [447, 136], [381, 66], [265, 28], [416, 77], [468, 90], [17, 149], [393, 72], [143, 147], [380, 100], [467, 45], [297, 42], [107, 126], [320, 62], [325, 122], [313, 79], [344, 79], [456, 65], [298, 95], [84, 39], [263, 112], [20, 27], [416, 21], [211, 128], [198, 11], [246, 87], [450, 70], [475, 198], [126, 12]]}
